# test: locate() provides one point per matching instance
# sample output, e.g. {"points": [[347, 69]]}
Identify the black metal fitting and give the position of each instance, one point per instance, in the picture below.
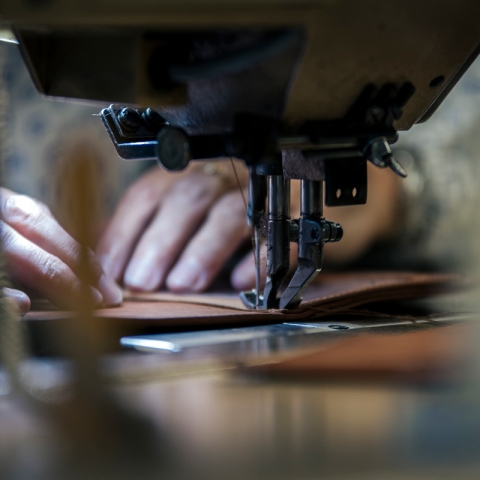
{"points": [[130, 119], [319, 231], [173, 149], [153, 119], [331, 231], [378, 151], [293, 231]]}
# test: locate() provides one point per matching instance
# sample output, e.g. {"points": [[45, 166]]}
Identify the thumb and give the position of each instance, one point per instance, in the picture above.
{"points": [[21, 299]]}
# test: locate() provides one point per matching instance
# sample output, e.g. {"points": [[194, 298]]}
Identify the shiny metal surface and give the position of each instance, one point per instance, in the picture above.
{"points": [[311, 198], [278, 239], [217, 424], [270, 339], [278, 197]]}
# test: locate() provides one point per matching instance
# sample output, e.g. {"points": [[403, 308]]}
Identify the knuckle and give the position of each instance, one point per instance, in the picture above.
{"points": [[196, 188], [72, 251], [51, 269], [230, 212], [231, 204], [142, 192], [21, 209]]}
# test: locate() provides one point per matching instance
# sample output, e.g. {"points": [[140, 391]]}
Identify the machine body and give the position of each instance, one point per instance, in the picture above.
{"points": [[297, 90]]}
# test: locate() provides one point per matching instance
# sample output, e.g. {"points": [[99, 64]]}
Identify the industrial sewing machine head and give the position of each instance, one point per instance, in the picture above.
{"points": [[308, 91]]}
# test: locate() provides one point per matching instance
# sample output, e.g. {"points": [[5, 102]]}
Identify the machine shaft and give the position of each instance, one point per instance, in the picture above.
{"points": [[278, 239]]}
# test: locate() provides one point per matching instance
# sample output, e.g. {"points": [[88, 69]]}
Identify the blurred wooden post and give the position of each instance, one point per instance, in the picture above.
{"points": [[100, 431], [12, 340]]}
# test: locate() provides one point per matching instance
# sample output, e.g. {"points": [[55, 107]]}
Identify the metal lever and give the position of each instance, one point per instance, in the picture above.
{"points": [[378, 151]]}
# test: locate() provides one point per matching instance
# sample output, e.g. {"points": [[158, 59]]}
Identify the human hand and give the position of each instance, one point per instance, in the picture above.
{"points": [[40, 255], [179, 229], [176, 230]]}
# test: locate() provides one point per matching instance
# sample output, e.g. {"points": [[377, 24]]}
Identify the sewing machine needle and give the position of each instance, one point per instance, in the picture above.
{"points": [[257, 267]]}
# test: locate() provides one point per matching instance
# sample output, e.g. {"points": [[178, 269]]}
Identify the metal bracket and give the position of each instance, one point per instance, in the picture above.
{"points": [[134, 143], [346, 182]]}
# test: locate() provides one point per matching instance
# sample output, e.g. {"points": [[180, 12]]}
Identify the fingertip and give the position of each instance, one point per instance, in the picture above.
{"points": [[21, 299], [189, 275], [243, 276], [143, 275], [110, 291], [97, 297]]}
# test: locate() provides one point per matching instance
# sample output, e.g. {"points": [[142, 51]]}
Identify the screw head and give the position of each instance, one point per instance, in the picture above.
{"points": [[375, 115], [130, 119], [152, 118]]}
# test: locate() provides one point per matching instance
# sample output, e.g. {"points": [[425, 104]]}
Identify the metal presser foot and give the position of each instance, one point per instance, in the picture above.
{"points": [[311, 231]]}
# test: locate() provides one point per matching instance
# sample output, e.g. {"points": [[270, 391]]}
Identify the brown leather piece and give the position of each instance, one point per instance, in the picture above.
{"points": [[434, 355], [330, 293]]}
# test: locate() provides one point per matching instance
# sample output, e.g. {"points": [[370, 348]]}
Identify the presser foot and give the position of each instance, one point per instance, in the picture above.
{"points": [[292, 296], [249, 299], [269, 299]]}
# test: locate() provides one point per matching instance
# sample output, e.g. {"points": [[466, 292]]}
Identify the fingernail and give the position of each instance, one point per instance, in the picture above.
{"points": [[111, 292], [141, 276], [96, 297], [21, 299], [189, 275]]}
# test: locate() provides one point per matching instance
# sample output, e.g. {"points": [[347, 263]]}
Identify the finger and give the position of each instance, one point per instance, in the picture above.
{"points": [[21, 299], [37, 269], [181, 213], [5, 192], [135, 210], [30, 220], [244, 274], [27, 217], [222, 233]]}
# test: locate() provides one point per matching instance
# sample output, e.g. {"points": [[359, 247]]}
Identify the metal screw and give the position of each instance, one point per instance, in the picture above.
{"points": [[375, 115], [152, 118], [130, 119]]}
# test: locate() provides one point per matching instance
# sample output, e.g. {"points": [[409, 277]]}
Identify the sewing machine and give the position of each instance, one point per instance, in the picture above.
{"points": [[306, 90]]}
